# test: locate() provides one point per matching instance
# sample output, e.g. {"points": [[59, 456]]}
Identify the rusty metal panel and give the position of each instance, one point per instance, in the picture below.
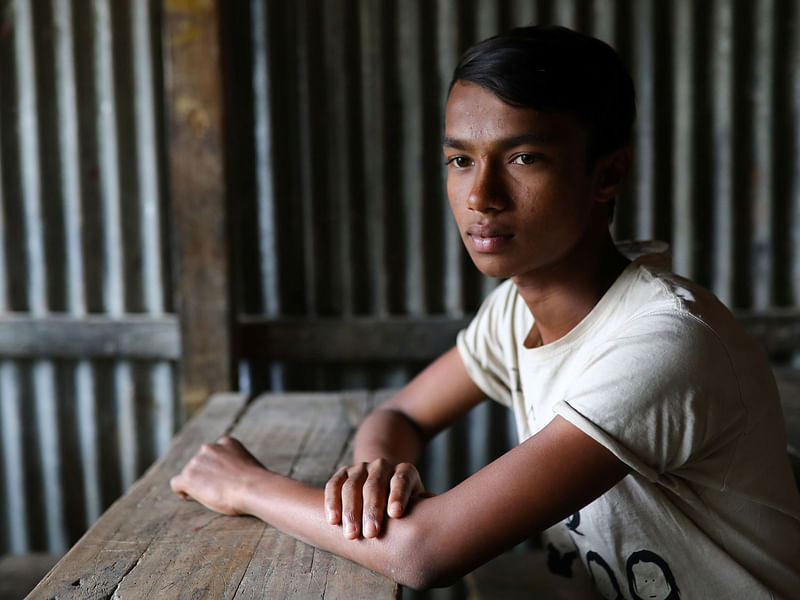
{"points": [[82, 234]]}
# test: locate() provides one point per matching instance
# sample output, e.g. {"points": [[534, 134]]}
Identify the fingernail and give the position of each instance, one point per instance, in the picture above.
{"points": [[333, 517], [349, 529], [370, 529], [396, 508]]}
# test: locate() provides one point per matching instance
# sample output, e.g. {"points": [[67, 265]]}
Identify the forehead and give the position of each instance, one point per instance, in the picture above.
{"points": [[646, 569], [474, 114]]}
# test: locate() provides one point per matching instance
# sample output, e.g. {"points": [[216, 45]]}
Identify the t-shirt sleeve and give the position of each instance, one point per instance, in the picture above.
{"points": [[486, 345], [663, 397]]}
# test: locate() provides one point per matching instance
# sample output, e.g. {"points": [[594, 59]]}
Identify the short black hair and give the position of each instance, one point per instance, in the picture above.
{"points": [[556, 69]]}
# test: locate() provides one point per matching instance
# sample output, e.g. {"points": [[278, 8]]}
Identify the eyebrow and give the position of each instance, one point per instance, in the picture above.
{"points": [[509, 142]]}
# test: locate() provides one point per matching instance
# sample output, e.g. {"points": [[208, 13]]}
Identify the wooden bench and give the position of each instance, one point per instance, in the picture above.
{"points": [[151, 544]]}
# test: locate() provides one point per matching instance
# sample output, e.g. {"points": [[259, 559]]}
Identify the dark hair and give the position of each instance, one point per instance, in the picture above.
{"points": [[557, 69]]}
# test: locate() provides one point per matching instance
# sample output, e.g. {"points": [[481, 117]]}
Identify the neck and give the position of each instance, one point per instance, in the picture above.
{"points": [[560, 296]]}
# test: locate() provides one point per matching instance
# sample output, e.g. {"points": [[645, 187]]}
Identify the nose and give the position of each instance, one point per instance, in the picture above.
{"points": [[487, 193]]}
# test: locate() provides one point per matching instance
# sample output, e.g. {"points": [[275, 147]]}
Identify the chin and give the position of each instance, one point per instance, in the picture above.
{"points": [[492, 268]]}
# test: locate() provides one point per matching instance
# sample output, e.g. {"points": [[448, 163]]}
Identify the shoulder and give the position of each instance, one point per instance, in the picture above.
{"points": [[672, 374], [668, 335], [501, 315], [653, 296], [688, 320]]}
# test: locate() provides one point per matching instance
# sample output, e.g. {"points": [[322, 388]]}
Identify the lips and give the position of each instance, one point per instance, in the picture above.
{"points": [[488, 238]]}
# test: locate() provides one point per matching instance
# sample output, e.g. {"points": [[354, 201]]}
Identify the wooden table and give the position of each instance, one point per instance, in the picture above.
{"points": [[151, 544]]}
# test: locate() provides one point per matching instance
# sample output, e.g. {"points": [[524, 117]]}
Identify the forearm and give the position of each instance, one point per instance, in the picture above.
{"points": [[543, 480], [399, 429], [297, 509], [439, 539], [388, 434]]}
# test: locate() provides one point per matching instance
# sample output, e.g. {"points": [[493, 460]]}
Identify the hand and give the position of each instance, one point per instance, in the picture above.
{"points": [[218, 475], [356, 496]]}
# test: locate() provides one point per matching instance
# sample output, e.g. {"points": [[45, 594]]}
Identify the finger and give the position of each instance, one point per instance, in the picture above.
{"points": [[404, 483], [177, 487], [231, 442], [374, 495], [333, 496], [352, 501]]}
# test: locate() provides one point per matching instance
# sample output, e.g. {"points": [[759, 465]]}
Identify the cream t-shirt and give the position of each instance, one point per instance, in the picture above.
{"points": [[662, 375]]}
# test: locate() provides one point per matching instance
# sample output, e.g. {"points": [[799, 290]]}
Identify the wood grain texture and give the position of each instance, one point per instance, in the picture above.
{"points": [[313, 439], [425, 338], [151, 544], [99, 562], [92, 336], [194, 107], [356, 339]]}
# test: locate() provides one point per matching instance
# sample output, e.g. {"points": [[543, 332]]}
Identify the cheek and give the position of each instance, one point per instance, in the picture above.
{"points": [[456, 193]]}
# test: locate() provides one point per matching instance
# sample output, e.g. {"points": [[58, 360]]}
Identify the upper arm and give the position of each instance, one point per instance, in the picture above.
{"points": [[533, 486], [438, 396]]}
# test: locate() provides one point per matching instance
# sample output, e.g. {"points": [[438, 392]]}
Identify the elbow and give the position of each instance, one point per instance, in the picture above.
{"points": [[424, 577], [414, 574], [421, 563], [416, 577], [425, 581]]}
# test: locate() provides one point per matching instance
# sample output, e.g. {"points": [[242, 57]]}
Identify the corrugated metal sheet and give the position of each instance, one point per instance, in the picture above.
{"points": [[81, 233], [345, 99]]}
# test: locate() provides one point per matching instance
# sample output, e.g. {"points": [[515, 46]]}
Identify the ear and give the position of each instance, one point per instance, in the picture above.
{"points": [[611, 171]]}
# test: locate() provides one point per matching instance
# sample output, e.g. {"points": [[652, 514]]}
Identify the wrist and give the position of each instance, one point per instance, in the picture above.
{"points": [[388, 434], [252, 489]]}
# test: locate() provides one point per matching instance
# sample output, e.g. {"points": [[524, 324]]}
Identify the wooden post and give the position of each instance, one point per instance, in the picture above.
{"points": [[194, 107]]}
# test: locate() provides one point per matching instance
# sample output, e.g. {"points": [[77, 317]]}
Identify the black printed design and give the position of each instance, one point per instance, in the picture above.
{"points": [[560, 564], [605, 582], [573, 523], [650, 578], [517, 380]]}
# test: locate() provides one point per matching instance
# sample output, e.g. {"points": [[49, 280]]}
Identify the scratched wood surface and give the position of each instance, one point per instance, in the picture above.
{"points": [[151, 544]]}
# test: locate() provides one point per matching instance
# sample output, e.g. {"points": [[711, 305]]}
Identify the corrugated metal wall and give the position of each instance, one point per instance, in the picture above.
{"points": [[336, 181], [338, 177], [337, 138], [339, 182], [81, 234]]}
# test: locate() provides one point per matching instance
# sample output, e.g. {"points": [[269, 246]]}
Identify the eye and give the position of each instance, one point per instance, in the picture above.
{"points": [[459, 162], [524, 159]]}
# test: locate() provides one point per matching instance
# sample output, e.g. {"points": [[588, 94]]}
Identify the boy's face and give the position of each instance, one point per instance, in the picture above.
{"points": [[518, 183]]}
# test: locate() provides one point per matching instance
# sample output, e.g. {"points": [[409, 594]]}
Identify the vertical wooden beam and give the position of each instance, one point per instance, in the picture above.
{"points": [[194, 107]]}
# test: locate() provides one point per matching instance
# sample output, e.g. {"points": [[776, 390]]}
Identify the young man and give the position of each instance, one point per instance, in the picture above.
{"points": [[652, 443]]}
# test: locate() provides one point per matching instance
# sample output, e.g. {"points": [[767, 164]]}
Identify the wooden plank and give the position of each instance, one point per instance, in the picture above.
{"points": [[152, 544], [322, 428], [778, 330], [194, 103], [352, 339], [93, 336], [299, 435], [109, 551], [425, 338]]}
